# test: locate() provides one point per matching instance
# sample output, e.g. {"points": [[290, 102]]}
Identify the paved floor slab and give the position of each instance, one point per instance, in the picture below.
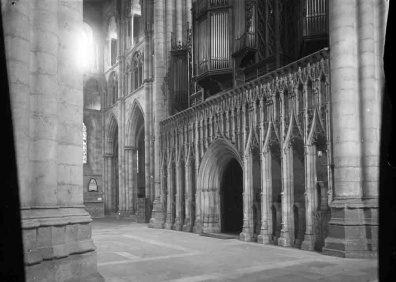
{"points": [[129, 251]]}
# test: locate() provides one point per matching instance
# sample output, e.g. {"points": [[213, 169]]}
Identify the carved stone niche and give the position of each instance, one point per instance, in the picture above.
{"points": [[92, 185]]}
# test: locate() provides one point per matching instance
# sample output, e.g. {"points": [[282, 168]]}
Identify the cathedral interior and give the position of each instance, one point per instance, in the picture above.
{"points": [[256, 118]]}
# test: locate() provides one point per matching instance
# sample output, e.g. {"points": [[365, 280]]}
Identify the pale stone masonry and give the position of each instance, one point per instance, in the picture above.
{"points": [[357, 30], [46, 98], [256, 118]]}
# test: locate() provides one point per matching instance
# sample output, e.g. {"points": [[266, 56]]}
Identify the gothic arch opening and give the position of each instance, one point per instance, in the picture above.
{"points": [[115, 194], [298, 214], [111, 169], [276, 188], [136, 160], [220, 161], [112, 36], [256, 193], [231, 198]]}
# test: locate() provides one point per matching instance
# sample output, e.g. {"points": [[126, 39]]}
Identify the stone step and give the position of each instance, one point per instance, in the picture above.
{"points": [[223, 236]]}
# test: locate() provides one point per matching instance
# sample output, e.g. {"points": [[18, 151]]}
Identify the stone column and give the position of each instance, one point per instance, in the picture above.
{"points": [[310, 203], [169, 216], [158, 106], [178, 197], [134, 180], [163, 188], [197, 228], [188, 197], [17, 51], [107, 182], [41, 167], [232, 133], [371, 31], [266, 196], [287, 186], [132, 34], [70, 166], [238, 129], [246, 234], [188, 13], [170, 19], [130, 188], [44, 103], [39, 64], [121, 37], [356, 47], [179, 21]]}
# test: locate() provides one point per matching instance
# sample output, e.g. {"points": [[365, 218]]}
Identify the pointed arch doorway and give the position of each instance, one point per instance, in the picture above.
{"points": [[231, 199], [220, 182], [111, 169], [135, 150]]}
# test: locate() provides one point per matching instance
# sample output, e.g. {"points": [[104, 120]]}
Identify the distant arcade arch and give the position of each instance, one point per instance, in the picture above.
{"points": [[135, 144], [111, 168]]}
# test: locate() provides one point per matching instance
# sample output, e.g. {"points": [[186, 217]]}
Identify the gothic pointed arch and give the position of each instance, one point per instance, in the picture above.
{"points": [[317, 129], [136, 70], [111, 131], [214, 164], [136, 119]]}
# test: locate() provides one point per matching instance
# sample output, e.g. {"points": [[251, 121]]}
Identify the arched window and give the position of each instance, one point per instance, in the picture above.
{"points": [[112, 37], [86, 48], [136, 28], [137, 71], [85, 149], [112, 89], [92, 99]]}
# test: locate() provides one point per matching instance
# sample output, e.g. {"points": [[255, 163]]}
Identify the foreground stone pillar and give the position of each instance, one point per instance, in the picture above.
{"points": [[40, 39], [17, 47], [356, 46]]}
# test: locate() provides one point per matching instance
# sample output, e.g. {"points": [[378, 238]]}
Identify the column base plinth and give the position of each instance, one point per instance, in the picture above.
{"points": [[264, 239], [58, 245], [353, 229], [197, 228], [168, 226], [79, 267], [309, 243], [157, 219], [187, 226], [284, 239], [177, 226], [245, 236]]}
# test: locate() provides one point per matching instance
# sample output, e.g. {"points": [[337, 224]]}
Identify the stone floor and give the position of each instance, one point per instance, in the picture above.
{"points": [[133, 252]]}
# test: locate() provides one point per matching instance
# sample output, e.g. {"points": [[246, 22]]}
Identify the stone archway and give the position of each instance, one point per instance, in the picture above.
{"points": [[135, 152], [215, 165], [231, 198], [111, 168]]}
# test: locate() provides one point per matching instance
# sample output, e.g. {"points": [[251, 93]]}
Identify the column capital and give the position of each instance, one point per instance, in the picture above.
{"points": [[107, 156], [132, 148]]}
